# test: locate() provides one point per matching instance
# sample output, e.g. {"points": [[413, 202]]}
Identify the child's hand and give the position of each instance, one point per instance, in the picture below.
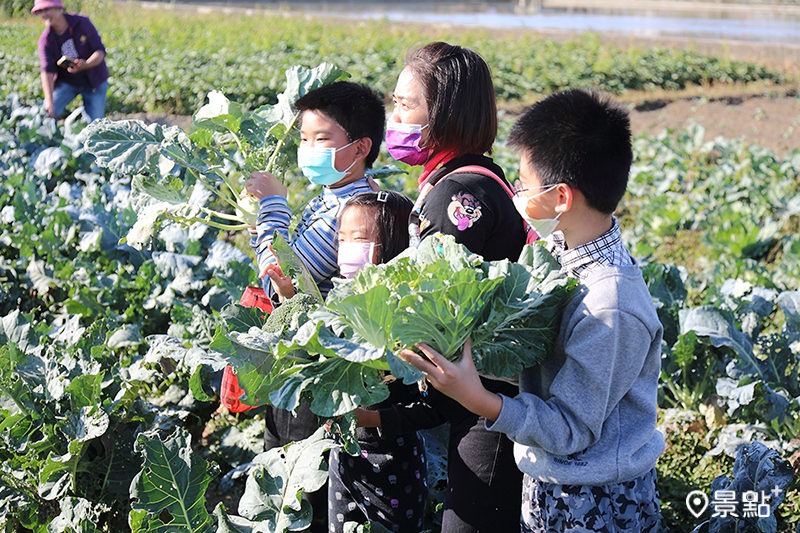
{"points": [[263, 184], [282, 284], [458, 380], [367, 419]]}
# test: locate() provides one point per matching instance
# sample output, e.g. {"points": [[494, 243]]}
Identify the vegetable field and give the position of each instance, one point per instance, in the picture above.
{"points": [[167, 62], [111, 355]]}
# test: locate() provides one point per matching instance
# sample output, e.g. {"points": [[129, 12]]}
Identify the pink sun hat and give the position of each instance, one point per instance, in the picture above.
{"points": [[39, 5]]}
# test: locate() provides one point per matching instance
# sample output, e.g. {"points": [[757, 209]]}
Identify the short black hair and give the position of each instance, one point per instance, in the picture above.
{"points": [[580, 138], [354, 106], [392, 212], [462, 112]]}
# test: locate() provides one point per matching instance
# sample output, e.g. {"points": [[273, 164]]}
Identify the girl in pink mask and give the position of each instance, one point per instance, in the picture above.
{"points": [[387, 483], [373, 228]]}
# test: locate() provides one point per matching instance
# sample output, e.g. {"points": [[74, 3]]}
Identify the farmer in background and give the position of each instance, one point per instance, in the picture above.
{"points": [[585, 419], [445, 119], [72, 61]]}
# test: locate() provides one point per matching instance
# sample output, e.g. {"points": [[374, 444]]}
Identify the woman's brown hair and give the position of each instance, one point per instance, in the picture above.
{"points": [[457, 82]]}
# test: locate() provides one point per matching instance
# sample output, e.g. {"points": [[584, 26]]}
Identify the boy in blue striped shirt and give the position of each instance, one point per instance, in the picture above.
{"points": [[341, 130]]}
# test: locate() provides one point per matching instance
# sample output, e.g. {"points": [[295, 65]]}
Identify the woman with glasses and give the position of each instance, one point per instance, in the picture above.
{"points": [[445, 119]]}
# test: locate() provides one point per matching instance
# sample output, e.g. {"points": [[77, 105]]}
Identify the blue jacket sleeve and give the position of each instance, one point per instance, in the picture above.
{"points": [[603, 360]]}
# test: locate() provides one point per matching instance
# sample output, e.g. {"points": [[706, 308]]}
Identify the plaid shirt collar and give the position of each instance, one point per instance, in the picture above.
{"points": [[607, 250]]}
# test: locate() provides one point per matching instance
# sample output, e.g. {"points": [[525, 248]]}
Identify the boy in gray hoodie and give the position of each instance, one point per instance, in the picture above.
{"points": [[584, 422]]}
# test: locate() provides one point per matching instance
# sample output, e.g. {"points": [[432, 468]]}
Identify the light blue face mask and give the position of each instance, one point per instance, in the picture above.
{"points": [[318, 164]]}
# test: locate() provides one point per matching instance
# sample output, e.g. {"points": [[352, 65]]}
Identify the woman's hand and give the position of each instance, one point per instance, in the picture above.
{"points": [[78, 65], [283, 284], [459, 381], [48, 106], [94, 60]]}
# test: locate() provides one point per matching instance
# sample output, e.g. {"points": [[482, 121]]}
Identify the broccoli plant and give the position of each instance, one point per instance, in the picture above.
{"points": [[174, 171]]}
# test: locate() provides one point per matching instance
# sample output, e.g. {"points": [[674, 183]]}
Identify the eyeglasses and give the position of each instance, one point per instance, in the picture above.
{"points": [[518, 192]]}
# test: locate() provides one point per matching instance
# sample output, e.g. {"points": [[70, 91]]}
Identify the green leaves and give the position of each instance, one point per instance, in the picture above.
{"points": [[336, 385], [189, 68], [445, 316], [790, 305], [367, 313], [78, 515], [336, 357], [760, 470], [229, 143], [169, 492], [59, 473], [719, 208], [440, 294], [15, 328], [293, 266], [525, 314], [219, 111], [713, 326], [127, 147], [272, 497], [251, 355], [68, 367], [729, 354], [13, 499]]}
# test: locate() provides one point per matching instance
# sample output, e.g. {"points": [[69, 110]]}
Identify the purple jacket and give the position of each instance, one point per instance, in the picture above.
{"points": [[86, 40]]}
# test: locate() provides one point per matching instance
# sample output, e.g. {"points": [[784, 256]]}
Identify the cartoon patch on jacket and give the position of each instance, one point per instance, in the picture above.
{"points": [[423, 223], [464, 210]]}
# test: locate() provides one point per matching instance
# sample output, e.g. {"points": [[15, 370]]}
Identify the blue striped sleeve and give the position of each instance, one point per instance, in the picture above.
{"points": [[315, 237], [273, 215]]}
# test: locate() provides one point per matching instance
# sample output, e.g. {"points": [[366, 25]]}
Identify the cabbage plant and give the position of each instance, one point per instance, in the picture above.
{"points": [[174, 171], [337, 355]]}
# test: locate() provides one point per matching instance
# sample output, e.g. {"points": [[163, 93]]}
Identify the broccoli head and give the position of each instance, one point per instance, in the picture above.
{"points": [[291, 314]]}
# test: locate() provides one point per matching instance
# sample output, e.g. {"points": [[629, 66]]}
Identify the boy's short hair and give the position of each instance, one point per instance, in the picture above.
{"points": [[354, 106], [580, 138], [458, 89], [393, 210]]}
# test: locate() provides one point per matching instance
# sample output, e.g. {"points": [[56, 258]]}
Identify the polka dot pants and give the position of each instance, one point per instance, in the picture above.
{"points": [[387, 483]]}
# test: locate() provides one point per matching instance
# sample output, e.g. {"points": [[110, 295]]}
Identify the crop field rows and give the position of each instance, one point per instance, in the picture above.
{"points": [[168, 63]]}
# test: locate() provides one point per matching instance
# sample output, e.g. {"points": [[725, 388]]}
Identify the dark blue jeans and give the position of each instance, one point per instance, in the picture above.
{"points": [[94, 100]]}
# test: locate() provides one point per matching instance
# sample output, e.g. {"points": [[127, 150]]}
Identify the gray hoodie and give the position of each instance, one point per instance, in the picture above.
{"points": [[587, 415]]}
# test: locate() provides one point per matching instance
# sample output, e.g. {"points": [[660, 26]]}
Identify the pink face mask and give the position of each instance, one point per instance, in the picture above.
{"points": [[402, 141], [353, 256]]}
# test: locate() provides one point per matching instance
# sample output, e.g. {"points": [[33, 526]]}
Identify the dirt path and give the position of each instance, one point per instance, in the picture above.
{"points": [[769, 122]]}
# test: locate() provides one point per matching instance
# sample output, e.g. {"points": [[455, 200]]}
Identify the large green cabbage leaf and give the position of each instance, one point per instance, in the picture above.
{"points": [[439, 293], [169, 492], [272, 497]]}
